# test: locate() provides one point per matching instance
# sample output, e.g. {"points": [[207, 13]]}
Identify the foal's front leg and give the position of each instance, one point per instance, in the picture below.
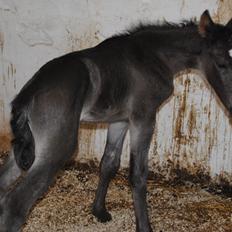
{"points": [[109, 166], [140, 135]]}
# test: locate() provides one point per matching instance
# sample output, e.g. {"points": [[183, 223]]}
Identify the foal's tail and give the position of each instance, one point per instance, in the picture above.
{"points": [[23, 142]]}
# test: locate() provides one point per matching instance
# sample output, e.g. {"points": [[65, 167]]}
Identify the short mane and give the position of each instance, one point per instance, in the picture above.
{"points": [[158, 26]]}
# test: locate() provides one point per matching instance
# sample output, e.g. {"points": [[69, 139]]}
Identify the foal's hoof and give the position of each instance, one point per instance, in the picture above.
{"points": [[102, 216]]}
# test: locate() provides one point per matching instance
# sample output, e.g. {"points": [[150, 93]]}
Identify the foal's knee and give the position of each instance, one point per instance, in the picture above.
{"points": [[109, 166], [109, 170]]}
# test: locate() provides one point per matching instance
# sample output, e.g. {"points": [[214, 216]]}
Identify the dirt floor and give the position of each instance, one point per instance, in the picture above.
{"points": [[183, 207]]}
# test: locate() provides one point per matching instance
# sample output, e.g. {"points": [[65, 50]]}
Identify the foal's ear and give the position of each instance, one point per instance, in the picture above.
{"points": [[205, 23]]}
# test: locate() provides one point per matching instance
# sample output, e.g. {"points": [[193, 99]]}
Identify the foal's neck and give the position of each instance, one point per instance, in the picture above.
{"points": [[182, 50]]}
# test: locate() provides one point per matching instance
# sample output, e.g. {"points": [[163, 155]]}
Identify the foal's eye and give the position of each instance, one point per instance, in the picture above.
{"points": [[230, 52]]}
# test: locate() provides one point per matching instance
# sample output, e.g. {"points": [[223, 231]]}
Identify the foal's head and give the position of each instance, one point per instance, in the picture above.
{"points": [[216, 57]]}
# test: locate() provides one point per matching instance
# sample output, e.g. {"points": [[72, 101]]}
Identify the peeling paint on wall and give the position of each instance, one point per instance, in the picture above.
{"points": [[7, 6], [32, 35]]}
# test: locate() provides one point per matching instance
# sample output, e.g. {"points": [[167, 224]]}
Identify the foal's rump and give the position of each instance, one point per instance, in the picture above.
{"points": [[52, 97]]}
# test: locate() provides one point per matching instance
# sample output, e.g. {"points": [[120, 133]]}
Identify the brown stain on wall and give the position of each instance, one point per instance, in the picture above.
{"points": [[192, 124], [179, 135], [208, 130], [1, 42], [5, 142], [11, 70], [187, 126]]}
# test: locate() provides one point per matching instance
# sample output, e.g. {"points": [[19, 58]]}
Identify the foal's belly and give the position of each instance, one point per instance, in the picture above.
{"points": [[103, 115]]}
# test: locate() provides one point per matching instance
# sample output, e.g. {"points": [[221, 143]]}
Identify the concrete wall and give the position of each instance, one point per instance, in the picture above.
{"points": [[192, 130]]}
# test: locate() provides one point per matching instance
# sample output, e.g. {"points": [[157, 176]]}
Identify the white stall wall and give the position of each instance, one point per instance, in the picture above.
{"points": [[192, 132]]}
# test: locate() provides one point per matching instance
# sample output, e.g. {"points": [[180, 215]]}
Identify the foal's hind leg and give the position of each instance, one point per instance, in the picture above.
{"points": [[109, 166], [54, 120], [51, 154]]}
